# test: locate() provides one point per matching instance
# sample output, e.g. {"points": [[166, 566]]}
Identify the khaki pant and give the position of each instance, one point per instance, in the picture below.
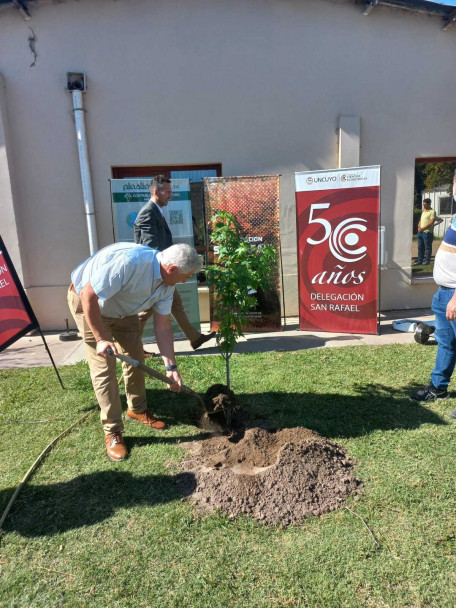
{"points": [[126, 333], [178, 312]]}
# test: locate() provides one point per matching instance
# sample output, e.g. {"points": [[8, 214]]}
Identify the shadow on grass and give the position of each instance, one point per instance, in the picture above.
{"points": [[372, 407], [90, 499], [84, 501], [136, 441]]}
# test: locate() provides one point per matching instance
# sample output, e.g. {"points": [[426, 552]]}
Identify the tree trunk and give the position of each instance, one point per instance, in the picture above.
{"points": [[227, 365]]}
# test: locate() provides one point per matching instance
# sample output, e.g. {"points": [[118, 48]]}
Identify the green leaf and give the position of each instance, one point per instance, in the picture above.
{"points": [[239, 268]]}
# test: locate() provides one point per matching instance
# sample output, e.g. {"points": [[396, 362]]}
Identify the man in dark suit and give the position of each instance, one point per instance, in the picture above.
{"points": [[151, 229]]}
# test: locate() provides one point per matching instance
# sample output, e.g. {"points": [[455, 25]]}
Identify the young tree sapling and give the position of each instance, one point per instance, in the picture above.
{"points": [[240, 270]]}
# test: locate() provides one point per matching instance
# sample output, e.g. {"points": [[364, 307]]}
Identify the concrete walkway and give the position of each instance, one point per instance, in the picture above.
{"points": [[30, 351]]}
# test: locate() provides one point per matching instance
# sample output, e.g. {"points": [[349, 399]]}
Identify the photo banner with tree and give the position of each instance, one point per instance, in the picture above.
{"points": [[338, 216], [254, 201], [16, 315]]}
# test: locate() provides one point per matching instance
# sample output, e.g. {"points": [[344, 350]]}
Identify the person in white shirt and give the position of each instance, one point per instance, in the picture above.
{"points": [[444, 308], [107, 292]]}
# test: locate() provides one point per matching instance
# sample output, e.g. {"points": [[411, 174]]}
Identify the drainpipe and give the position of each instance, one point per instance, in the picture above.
{"points": [[79, 119]]}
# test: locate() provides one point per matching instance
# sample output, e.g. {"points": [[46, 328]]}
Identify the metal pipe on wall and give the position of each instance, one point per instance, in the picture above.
{"points": [[79, 119]]}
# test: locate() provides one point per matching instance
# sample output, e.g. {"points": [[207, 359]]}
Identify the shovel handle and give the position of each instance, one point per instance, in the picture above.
{"points": [[141, 366], [152, 372]]}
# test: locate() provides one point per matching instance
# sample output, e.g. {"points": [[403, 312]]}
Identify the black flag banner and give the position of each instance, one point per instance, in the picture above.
{"points": [[16, 315]]}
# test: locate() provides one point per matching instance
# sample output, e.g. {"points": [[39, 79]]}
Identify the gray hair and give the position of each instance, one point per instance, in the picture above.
{"points": [[183, 256], [158, 182]]}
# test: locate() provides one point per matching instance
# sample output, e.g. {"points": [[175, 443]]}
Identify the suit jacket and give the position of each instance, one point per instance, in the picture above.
{"points": [[151, 228]]}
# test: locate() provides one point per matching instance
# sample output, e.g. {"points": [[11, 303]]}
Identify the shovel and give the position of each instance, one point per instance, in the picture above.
{"points": [[155, 374], [221, 416]]}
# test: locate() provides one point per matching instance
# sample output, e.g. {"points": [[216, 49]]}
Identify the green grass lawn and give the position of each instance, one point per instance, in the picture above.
{"points": [[423, 269], [89, 532]]}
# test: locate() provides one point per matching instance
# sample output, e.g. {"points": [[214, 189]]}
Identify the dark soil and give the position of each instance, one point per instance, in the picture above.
{"points": [[278, 477], [219, 397], [222, 410]]}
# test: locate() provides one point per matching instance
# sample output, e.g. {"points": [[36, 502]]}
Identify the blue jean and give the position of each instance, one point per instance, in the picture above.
{"points": [[425, 247], [445, 334]]}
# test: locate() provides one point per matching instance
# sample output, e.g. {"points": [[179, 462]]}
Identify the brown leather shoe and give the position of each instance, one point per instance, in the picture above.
{"points": [[146, 418], [202, 339], [115, 447]]}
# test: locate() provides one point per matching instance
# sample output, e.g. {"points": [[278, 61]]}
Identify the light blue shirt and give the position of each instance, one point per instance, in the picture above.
{"points": [[126, 278]]}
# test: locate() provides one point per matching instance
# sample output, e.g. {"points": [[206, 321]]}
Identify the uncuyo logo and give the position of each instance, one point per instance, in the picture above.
{"points": [[343, 177], [309, 181]]}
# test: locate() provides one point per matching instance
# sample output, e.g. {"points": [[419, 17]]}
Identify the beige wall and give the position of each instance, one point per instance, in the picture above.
{"points": [[258, 86], [9, 229]]}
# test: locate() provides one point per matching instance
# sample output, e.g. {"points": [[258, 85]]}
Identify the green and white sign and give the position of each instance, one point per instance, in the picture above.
{"points": [[128, 196]]}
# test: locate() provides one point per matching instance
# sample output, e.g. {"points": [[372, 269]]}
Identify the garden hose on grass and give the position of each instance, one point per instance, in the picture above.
{"points": [[37, 463]]}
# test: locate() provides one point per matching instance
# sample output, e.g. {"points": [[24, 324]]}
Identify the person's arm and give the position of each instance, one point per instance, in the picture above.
{"points": [[165, 341], [92, 314], [437, 221], [428, 225], [147, 224]]}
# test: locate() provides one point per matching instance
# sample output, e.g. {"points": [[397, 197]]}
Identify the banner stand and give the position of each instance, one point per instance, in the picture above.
{"points": [[381, 259], [50, 356], [284, 316], [254, 201], [128, 196], [16, 315], [338, 215]]}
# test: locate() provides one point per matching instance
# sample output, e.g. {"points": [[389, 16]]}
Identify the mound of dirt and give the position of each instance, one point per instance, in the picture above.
{"points": [[276, 477]]}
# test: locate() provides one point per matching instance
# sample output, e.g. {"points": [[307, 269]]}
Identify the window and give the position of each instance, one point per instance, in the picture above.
{"points": [[433, 181], [446, 205]]}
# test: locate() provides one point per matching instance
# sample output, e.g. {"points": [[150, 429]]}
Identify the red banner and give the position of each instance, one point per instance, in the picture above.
{"points": [[337, 222], [16, 315]]}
